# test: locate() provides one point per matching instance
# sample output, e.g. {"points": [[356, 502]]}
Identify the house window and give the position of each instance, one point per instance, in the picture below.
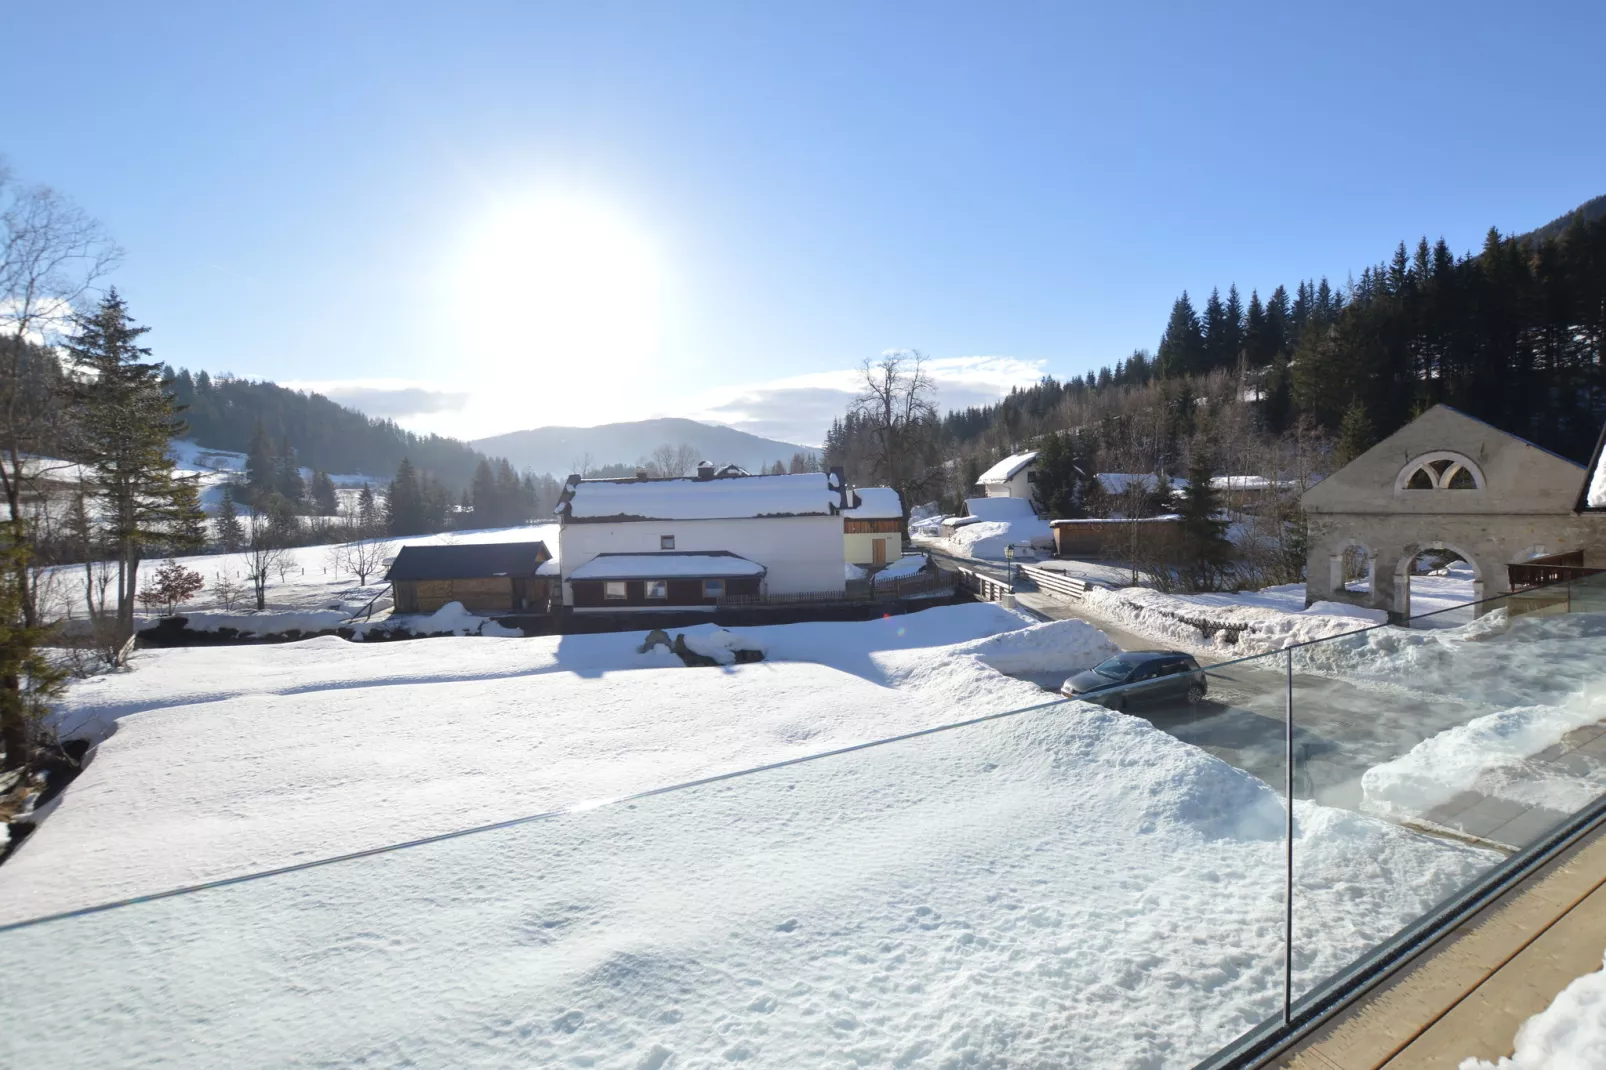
{"points": [[657, 589], [1031, 477], [713, 588], [666, 542], [614, 589], [1443, 470]]}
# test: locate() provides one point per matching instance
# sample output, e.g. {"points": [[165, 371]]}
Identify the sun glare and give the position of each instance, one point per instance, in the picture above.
{"points": [[556, 290]]}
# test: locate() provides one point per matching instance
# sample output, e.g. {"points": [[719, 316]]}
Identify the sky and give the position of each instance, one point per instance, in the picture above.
{"points": [[480, 217]]}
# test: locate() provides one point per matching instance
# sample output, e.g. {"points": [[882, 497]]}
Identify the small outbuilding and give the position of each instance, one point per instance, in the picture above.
{"points": [[1013, 477], [872, 529], [486, 577]]}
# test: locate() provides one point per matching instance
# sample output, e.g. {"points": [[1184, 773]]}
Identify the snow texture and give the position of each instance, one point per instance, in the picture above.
{"points": [[665, 566], [1000, 522], [1596, 498], [1570, 1034], [1019, 892], [901, 569], [876, 503], [1240, 624], [1477, 755], [1007, 469], [740, 497]]}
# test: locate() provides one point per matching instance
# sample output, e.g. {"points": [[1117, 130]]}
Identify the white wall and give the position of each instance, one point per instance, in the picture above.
{"points": [[1017, 487], [857, 548], [802, 553]]}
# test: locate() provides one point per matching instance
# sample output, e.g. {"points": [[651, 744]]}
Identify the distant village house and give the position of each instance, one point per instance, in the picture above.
{"points": [[872, 528], [487, 577]]}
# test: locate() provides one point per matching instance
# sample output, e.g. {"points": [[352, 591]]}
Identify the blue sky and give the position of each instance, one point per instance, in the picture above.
{"points": [[508, 215]]}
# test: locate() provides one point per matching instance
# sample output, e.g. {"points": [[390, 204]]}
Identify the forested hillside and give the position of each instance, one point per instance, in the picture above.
{"points": [[1300, 380], [224, 413]]}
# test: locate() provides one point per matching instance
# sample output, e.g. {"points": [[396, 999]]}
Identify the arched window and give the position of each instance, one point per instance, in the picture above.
{"points": [[1442, 470]]}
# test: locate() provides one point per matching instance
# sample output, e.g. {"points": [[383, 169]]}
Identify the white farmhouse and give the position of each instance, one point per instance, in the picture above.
{"points": [[645, 544], [872, 528], [1012, 477]]}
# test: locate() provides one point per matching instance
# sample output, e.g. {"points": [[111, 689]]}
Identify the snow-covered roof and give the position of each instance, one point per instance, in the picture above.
{"points": [[671, 565], [1249, 483], [1008, 468], [718, 498], [1166, 518], [465, 561], [876, 503]]}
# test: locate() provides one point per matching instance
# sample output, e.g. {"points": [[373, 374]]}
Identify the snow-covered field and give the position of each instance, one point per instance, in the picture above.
{"points": [[1570, 1034], [312, 581], [1062, 886]]}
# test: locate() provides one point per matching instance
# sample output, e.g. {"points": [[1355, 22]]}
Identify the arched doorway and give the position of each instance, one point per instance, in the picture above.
{"points": [[1351, 569], [1437, 582]]}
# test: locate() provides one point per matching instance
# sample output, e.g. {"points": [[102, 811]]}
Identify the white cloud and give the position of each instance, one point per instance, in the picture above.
{"points": [[387, 398]]}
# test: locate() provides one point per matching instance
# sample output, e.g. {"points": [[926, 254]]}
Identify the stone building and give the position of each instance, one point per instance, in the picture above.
{"points": [[1445, 481]]}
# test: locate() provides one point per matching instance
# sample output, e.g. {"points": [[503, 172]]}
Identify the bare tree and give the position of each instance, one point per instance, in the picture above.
{"points": [[364, 557], [897, 402], [668, 460], [264, 551], [51, 254]]}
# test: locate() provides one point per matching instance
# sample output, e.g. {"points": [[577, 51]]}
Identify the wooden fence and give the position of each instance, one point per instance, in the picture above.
{"points": [[981, 585]]}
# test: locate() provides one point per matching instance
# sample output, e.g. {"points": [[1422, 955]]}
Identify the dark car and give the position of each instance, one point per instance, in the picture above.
{"points": [[1142, 676]]}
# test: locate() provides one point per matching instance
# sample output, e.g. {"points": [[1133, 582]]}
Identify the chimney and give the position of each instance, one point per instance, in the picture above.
{"points": [[705, 470]]}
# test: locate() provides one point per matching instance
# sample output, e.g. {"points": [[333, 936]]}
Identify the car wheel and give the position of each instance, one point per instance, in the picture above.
{"points": [[1196, 693]]}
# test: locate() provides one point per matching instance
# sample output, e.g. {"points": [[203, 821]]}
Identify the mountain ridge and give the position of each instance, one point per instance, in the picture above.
{"points": [[557, 449]]}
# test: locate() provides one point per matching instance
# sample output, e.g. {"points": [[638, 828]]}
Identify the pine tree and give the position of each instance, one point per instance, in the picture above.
{"points": [[324, 499], [367, 510], [28, 679], [1181, 349], [484, 494], [230, 533], [288, 481], [187, 521], [126, 420], [1355, 435], [1206, 553], [404, 505], [261, 471]]}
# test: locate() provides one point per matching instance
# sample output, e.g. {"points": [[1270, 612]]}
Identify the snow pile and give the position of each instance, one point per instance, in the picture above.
{"points": [[1486, 754], [259, 624], [1570, 1034], [999, 522], [1062, 645], [450, 619], [901, 569], [850, 571], [721, 645], [1597, 484], [1242, 625], [1067, 886]]}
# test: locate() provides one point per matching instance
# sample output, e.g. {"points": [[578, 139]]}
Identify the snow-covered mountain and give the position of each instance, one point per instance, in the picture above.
{"points": [[556, 449]]}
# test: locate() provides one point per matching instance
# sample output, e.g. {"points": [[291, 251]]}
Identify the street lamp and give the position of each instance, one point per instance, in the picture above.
{"points": [[1009, 563]]}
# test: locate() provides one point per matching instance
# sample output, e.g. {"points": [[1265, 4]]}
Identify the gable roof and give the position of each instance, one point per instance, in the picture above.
{"points": [[1527, 478], [1008, 468], [467, 561], [716, 498], [876, 503]]}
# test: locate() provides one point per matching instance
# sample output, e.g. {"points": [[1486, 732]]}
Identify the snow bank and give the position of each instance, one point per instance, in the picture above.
{"points": [[1239, 624], [319, 620], [1474, 755], [1570, 1034], [1068, 645], [999, 522], [850, 571], [721, 645], [1597, 485]]}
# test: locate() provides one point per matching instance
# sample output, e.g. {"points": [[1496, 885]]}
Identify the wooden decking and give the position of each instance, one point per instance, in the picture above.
{"points": [[1467, 995]]}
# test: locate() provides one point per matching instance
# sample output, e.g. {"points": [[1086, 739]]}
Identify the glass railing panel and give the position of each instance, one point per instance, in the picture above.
{"points": [[1024, 890], [1440, 749]]}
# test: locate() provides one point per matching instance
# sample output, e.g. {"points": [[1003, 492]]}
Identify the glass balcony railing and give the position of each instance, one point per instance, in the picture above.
{"points": [[1058, 885]]}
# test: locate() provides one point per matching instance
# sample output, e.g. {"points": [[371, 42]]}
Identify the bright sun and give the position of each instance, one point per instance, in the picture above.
{"points": [[557, 290]]}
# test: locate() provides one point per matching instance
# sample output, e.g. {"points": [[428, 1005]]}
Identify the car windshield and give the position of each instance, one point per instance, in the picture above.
{"points": [[1116, 668]]}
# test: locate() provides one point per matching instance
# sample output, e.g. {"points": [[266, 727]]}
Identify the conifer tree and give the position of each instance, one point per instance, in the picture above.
{"points": [[1355, 435], [288, 481], [367, 510], [1181, 349], [28, 679], [324, 499], [404, 505], [1206, 553], [261, 470], [230, 533], [125, 421], [187, 522]]}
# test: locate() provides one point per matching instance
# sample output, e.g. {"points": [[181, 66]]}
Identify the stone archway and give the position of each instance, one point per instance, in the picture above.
{"points": [[1401, 609]]}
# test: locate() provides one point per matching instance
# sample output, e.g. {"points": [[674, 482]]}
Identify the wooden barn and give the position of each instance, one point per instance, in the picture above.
{"points": [[486, 577]]}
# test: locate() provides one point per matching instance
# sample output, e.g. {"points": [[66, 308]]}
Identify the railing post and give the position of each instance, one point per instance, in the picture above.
{"points": [[1288, 850]]}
